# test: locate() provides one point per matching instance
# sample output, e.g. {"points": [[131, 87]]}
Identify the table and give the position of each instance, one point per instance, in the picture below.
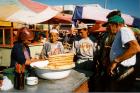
{"points": [[75, 82]]}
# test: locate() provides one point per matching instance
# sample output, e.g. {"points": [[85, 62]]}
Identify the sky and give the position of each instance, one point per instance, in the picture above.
{"points": [[131, 7]]}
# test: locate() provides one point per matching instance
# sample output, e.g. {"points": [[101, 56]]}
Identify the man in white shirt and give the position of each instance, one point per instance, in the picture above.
{"points": [[124, 47]]}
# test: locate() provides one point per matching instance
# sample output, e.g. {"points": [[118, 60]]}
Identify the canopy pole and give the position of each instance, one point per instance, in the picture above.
{"points": [[105, 5]]}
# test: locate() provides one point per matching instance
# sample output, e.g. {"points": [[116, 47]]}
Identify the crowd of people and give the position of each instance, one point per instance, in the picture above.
{"points": [[108, 58]]}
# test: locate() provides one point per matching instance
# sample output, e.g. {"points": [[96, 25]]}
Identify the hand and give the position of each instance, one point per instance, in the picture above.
{"points": [[43, 58], [28, 62], [34, 60], [111, 68]]}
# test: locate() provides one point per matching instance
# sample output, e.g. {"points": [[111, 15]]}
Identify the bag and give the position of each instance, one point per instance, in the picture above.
{"points": [[10, 73], [122, 72]]}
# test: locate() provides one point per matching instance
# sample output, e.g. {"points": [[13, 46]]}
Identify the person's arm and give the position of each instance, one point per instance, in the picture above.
{"points": [[74, 48], [28, 60], [133, 48], [43, 54], [61, 48], [129, 41]]}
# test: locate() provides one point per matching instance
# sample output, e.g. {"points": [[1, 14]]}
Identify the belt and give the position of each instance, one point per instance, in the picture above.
{"points": [[84, 59], [129, 71], [87, 59]]}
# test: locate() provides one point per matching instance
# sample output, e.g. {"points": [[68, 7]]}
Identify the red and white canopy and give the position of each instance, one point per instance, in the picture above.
{"points": [[25, 11]]}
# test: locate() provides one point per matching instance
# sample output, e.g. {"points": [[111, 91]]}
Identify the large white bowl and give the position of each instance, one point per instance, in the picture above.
{"points": [[52, 74]]}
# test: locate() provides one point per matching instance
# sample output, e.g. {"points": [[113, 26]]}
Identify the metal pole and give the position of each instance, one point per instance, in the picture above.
{"points": [[105, 6]]}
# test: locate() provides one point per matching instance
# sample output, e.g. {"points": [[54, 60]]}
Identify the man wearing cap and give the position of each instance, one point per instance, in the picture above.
{"points": [[123, 50], [84, 49]]}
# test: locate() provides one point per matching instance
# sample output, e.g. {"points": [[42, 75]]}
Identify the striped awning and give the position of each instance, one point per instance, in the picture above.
{"points": [[25, 11]]}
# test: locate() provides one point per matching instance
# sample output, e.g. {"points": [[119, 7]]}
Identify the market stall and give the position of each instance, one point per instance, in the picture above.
{"points": [[25, 12], [52, 75]]}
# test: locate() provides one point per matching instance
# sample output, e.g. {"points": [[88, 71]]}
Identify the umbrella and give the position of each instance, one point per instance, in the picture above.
{"points": [[60, 18], [96, 12], [25, 11]]}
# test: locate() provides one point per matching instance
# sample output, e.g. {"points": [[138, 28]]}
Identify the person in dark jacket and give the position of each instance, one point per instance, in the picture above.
{"points": [[20, 52]]}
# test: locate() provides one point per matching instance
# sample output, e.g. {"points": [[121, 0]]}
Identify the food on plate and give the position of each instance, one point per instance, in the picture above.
{"points": [[61, 66], [57, 62], [61, 61]]}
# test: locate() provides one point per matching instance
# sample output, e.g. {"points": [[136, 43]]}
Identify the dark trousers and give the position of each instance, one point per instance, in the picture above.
{"points": [[105, 83], [89, 69], [87, 65]]}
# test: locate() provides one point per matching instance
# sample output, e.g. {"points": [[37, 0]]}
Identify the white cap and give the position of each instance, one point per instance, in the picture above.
{"points": [[54, 31], [82, 26]]}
